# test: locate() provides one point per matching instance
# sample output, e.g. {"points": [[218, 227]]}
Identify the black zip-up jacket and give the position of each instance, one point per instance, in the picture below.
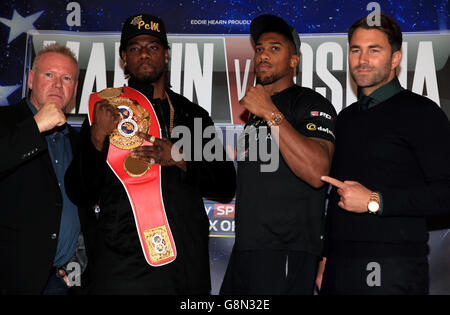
{"points": [[117, 261]]}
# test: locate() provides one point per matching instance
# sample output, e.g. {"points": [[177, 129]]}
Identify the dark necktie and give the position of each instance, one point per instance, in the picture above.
{"points": [[364, 102]]}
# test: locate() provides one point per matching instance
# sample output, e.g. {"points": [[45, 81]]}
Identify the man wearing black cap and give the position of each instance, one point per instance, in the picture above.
{"points": [[118, 263], [279, 214]]}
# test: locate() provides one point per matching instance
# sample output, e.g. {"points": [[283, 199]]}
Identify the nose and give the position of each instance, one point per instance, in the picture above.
{"points": [[57, 82], [144, 53], [263, 55], [364, 57]]}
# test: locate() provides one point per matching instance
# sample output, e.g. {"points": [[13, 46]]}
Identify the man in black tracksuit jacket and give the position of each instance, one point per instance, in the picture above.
{"points": [[118, 265]]}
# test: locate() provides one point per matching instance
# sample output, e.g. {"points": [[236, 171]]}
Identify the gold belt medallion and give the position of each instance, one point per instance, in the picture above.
{"points": [[158, 243], [109, 93], [135, 167], [134, 118]]}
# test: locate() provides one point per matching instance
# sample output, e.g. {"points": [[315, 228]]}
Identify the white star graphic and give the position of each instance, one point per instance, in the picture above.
{"points": [[6, 91], [19, 24]]}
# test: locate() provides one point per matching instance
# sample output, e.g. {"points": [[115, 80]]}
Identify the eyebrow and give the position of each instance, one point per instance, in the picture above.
{"points": [[270, 43], [370, 46], [144, 42]]}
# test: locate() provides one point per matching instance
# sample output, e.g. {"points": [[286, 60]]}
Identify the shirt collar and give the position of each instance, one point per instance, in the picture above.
{"points": [[385, 92], [31, 106]]}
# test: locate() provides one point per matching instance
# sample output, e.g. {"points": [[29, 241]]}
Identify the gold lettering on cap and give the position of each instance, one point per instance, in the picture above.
{"points": [[136, 20], [140, 23], [155, 26]]}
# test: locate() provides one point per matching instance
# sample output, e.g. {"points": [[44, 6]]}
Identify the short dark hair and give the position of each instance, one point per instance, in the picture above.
{"points": [[388, 26]]}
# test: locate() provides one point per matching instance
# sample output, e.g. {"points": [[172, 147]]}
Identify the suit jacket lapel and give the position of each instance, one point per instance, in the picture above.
{"points": [[24, 112]]}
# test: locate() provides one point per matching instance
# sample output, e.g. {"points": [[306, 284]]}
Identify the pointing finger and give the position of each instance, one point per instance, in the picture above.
{"points": [[333, 181]]}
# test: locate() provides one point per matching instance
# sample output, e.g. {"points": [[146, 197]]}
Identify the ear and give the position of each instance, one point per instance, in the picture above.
{"points": [[396, 58], [124, 55], [166, 55], [30, 79], [295, 60]]}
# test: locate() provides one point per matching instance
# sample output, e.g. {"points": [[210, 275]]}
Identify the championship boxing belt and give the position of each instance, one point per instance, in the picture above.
{"points": [[141, 180]]}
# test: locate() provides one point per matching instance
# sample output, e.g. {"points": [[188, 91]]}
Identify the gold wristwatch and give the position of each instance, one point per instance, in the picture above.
{"points": [[373, 206], [276, 119]]}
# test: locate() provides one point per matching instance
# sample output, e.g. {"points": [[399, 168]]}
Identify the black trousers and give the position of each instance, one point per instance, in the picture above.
{"points": [[375, 276], [270, 272]]}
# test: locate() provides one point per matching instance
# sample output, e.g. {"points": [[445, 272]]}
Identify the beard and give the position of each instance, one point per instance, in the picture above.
{"points": [[147, 78], [144, 82], [267, 80], [271, 77], [376, 76]]}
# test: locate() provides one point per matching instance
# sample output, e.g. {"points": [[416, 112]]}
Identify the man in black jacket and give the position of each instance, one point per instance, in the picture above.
{"points": [[39, 225], [390, 171], [118, 265]]}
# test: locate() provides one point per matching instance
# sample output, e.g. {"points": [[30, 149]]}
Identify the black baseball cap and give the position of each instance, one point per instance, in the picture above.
{"points": [[271, 23], [141, 24]]}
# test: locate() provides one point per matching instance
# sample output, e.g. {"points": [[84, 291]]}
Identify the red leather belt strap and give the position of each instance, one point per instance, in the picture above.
{"points": [[144, 192]]}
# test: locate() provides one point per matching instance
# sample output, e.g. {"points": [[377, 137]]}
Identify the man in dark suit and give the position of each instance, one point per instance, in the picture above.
{"points": [[390, 172], [39, 226]]}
